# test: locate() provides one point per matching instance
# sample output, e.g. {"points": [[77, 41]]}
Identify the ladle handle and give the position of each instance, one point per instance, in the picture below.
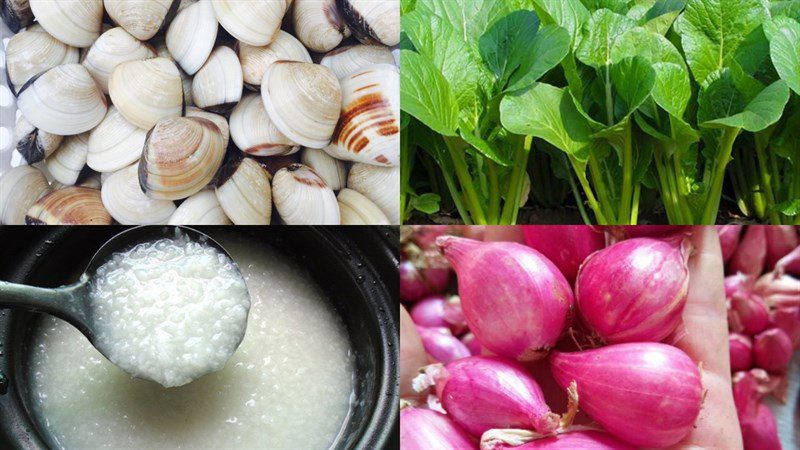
{"points": [[66, 302]]}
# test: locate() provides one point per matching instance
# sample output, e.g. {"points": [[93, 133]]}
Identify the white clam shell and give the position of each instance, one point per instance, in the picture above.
{"points": [[191, 36], [128, 205], [345, 60], [67, 162], [254, 21], [141, 18], [73, 22], [202, 208], [65, 100], [256, 59], [115, 143], [318, 24], [217, 86], [253, 131], [355, 209], [379, 184], [181, 156], [369, 127], [331, 170], [162, 51], [20, 188], [112, 48], [245, 193], [32, 52], [220, 121], [147, 91], [73, 205], [302, 198], [373, 21], [303, 100], [34, 144]]}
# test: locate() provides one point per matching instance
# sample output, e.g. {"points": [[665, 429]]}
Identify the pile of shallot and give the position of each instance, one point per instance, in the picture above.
{"points": [[571, 341], [763, 299]]}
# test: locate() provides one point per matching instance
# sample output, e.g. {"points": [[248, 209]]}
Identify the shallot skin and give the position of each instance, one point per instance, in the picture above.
{"points": [[741, 350], [772, 350], [634, 290], [759, 431], [441, 345], [574, 440], [416, 283], [751, 254], [567, 246], [728, 239], [647, 394], [429, 312], [486, 392], [422, 429], [515, 300]]}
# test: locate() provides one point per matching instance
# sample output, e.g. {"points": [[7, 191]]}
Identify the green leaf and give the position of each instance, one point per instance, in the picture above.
{"points": [[647, 44], [788, 8], [786, 143], [764, 110], [712, 30], [789, 208], [506, 44], [469, 18], [425, 94], [784, 43], [633, 80], [545, 52], [672, 90], [547, 112], [568, 14], [661, 16], [604, 28], [617, 6], [485, 147], [426, 203]]}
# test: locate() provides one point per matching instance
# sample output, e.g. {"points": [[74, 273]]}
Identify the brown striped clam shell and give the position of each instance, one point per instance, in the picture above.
{"points": [[69, 206]]}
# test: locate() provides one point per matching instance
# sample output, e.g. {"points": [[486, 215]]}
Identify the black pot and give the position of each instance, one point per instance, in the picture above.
{"points": [[356, 267]]}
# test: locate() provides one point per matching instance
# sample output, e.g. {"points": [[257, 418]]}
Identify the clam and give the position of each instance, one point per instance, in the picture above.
{"points": [[128, 205], [244, 192], [379, 184], [217, 86], [302, 197], [318, 24], [65, 100], [331, 170], [34, 144], [20, 187], [220, 121], [112, 48], [200, 209], [142, 18], [74, 22], [345, 60], [147, 91], [255, 59], [253, 131], [115, 143], [254, 22], [69, 206], [355, 209], [181, 156], [32, 52], [373, 21], [303, 101], [161, 50], [66, 163], [191, 36], [16, 14], [369, 128]]}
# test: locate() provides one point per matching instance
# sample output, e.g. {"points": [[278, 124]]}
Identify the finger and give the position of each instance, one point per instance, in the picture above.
{"points": [[412, 355]]}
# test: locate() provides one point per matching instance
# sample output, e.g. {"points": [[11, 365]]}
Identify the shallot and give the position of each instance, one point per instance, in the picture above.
{"points": [[647, 394], [567, 246], [472, 343], [486, 392], [778, 290], [441, 345], [428, 312], [781, 240], [741, 351], [772, 350], [728, 239], [788, 320], [750, 311], [759, 431], [416, 283], [789, 263], [736, 283], [422, 428], [514, 299], [635, 290], [750, 257]]}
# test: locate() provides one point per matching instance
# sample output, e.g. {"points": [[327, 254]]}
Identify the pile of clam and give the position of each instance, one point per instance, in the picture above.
{"points": [[203, 112]]}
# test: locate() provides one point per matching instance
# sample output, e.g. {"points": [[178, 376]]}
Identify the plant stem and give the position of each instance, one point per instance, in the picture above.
{"points": [[494, 193], [462, 171], [578, 198], [763, 165], [721, 161], [602, 192], [511, 205], [637, 192], [406, 164], [580, 171], [627, 176]]}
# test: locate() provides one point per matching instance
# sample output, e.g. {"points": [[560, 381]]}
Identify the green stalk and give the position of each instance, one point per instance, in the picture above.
{"points": [[587, 189], [578, 199], [462, 172], [627, 176], [451, 186], [754, 184], [718, 176], [766, 181], [670, 205], [637, 192], [740, 188], [511, 206], [602, 192], [494, 193], [676, 174], [406, 161]]}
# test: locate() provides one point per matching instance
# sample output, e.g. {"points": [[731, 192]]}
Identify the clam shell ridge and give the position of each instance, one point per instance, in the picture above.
{"points": [[142, 18], [318, 24], [303, 100], [128, 205], [379, 184], [331, 170], [30, 53], [256, 59], [254, 22], [345, 60], [115, 143], [66, 163], [217, 86], [302, 197], [180, 157], [191, 36], [75, 23], [373, 21], [147, 91], [202, 208], [356, 209], [65, 100], [244, 192], [20, 188], [369, 128], [253, 131], [112, 48], [69, 206]]}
